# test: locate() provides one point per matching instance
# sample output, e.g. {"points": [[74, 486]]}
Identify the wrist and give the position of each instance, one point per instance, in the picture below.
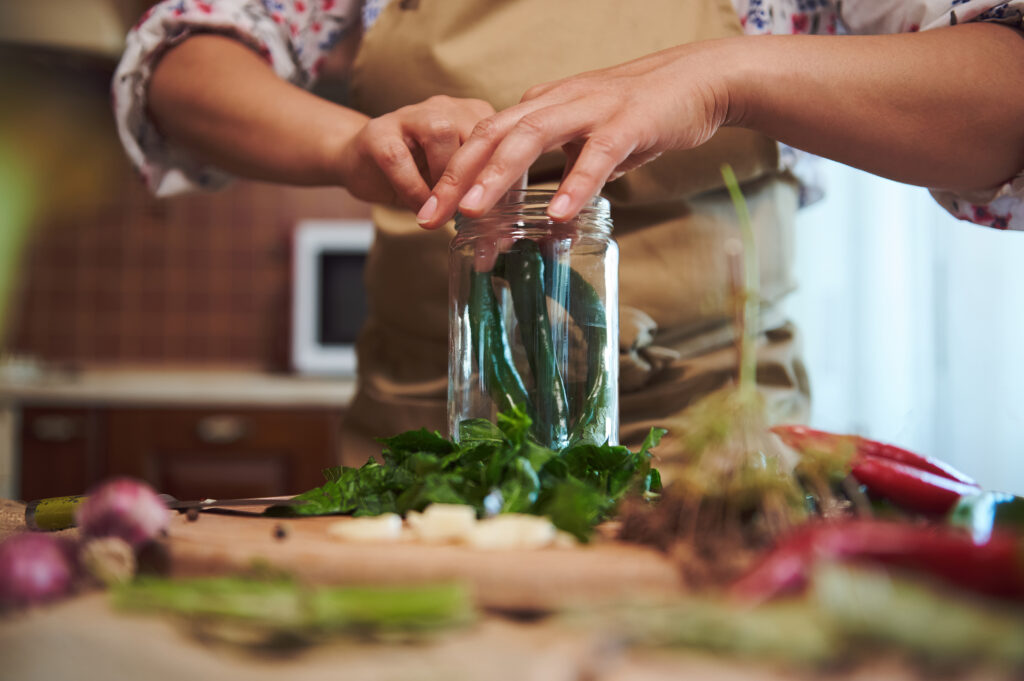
{"points": [[334, 143], [740, 80]]}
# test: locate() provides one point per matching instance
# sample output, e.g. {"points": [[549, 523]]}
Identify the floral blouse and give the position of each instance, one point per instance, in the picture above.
{"points": [[294, 36]]}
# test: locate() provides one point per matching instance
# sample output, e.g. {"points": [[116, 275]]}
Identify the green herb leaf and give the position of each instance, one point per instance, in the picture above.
{"points": [[493, 468]]}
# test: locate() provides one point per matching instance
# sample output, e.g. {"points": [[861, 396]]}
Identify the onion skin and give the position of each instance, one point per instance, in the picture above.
{"points": [[125, 508], [34, 568], [109, 560]]}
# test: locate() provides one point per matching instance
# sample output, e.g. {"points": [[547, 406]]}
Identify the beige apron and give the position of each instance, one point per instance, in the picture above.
{"points": [[671, 217]]}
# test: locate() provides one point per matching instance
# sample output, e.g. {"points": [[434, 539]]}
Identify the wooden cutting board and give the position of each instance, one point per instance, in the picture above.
{"points": [[540, 579], [84, 639]]}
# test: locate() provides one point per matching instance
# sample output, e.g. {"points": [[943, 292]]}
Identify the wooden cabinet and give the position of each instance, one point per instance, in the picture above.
{"points": [[190, 453], [60, 450], [223, 453]]}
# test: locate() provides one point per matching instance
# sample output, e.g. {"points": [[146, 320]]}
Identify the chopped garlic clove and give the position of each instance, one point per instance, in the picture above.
{"points": [[513, 531], [384, 527], [111, 560], [443, 522], [564, 540]]}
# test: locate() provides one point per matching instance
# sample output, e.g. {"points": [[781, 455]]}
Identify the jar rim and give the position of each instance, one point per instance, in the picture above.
{"points": [[533, 204]]}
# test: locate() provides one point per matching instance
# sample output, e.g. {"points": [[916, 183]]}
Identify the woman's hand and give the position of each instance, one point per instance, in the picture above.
{"points": [[887, 104], [397, 157], [300, 138], [607, 122]]}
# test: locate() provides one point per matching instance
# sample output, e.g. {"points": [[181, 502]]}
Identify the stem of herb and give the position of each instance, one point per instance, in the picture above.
{"points": [[751, 281]]}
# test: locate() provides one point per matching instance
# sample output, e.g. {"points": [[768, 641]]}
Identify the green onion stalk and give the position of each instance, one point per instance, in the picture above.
{"points": [[749, 291]]}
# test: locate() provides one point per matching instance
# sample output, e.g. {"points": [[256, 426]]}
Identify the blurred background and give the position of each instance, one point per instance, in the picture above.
{"points": [[913, 324], [140, 336], [153, 337]]}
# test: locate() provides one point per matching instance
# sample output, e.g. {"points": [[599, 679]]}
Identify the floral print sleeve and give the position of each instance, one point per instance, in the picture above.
{"points": [[292, 36], [1000, 207]]}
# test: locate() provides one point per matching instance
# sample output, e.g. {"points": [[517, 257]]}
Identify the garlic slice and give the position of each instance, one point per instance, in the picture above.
{"points": [[512, 531], [440, 523], [384, 527]]}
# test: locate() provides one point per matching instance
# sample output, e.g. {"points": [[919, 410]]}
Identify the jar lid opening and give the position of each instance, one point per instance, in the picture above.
{"points": [[532, 205]]}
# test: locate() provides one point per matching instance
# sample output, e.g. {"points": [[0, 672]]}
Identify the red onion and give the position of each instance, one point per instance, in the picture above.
{"points": [[124, 508], [34, 568]]}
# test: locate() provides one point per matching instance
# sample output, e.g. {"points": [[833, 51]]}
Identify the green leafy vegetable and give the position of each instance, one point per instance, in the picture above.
{"points": [[493, 468]]}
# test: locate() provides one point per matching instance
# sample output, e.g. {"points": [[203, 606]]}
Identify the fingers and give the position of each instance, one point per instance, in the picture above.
{"points": [[463, 168], [440, 127], [500, 150], [389, 151], [439, 141], [599, 158], [410, 148]]}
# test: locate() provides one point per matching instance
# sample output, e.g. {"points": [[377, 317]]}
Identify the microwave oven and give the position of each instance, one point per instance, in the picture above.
{"points": [[328, 294]]}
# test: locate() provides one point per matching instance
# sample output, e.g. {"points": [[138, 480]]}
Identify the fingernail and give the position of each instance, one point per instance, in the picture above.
{"points": [[473, 198], [559, 208], [427, 210]]}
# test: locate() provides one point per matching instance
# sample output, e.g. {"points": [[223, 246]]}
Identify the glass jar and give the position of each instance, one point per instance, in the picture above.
{"points": [[533, 320]]}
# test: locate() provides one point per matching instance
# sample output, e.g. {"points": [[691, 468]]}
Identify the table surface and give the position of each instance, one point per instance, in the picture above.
{"points": [[84, 638]]}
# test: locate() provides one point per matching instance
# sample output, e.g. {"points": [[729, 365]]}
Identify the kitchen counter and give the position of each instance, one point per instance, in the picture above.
{"points": [[25, 386], [142, 386]]}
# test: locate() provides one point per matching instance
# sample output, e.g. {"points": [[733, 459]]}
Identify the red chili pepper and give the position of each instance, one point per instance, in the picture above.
{"points": [[803, 438], [995, 567], [881, 450], [909, 480], [909, 487]]}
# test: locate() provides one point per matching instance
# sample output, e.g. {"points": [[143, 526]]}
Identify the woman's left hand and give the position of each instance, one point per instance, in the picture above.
{"points": [[607, 121], [886, 104]]}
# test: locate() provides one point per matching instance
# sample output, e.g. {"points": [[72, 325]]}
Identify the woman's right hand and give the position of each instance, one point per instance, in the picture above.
{"points": [[396, 158], [302, 139]]}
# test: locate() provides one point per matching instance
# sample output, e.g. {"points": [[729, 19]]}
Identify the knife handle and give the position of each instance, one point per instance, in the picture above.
{"points": [[55, 513]]}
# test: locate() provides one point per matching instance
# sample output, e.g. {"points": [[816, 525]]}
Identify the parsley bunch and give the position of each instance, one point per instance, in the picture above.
{"points": [[493, 468]]}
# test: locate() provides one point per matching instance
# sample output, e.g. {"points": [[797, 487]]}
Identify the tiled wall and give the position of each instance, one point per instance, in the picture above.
{"points": [[195, 279], [126, 278]]}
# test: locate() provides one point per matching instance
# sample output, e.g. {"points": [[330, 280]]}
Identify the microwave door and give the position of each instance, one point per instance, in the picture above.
{"points": [[329, 294]]}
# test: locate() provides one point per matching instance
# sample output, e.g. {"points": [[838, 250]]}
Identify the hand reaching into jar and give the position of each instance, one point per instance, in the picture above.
{"points": [[931, 108], [607, 121]]}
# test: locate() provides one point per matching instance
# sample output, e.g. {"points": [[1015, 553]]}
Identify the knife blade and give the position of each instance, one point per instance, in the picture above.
{"points": [[178, 505], [58, 513]]}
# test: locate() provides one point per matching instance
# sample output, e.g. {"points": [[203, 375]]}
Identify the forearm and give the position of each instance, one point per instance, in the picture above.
{"points": [[218, 98], [941, 108]]}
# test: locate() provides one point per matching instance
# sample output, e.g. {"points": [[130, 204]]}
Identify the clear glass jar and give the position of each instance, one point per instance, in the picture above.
{"points": [[533, 320]]}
